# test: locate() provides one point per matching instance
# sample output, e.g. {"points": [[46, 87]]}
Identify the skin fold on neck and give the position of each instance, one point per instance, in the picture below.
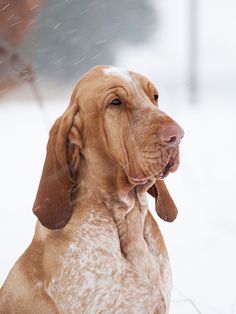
{"points": [[124, 202]]}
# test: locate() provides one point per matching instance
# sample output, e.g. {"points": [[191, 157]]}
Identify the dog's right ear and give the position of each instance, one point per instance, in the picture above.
{"points": [[53, 200], [165, 206]]}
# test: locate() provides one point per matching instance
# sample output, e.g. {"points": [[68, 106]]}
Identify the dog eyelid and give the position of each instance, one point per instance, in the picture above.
{"points": [[116, 102]]}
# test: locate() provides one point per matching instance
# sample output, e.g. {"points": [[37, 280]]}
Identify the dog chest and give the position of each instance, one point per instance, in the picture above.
{"points": [[94, 276]]}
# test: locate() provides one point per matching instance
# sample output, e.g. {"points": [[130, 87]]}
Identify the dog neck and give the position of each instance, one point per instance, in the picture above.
{"points": [[93, 181], [111, 195], [109, 186]]}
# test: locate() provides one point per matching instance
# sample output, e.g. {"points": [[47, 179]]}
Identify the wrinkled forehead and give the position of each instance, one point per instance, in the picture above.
{"points": [[103, 77]]}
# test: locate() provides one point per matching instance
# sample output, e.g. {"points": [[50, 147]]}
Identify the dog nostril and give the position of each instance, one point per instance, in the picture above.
{"points": [[171, 135], [172, 140]]}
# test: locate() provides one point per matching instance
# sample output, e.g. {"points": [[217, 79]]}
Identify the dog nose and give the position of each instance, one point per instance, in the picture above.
{"points": [[171, 135]]}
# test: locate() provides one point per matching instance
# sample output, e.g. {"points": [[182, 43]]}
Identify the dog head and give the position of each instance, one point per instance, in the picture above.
{"points": [[113, 114]]}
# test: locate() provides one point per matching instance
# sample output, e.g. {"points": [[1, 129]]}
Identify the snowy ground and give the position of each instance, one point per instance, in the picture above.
{"points": [[201, 242]]}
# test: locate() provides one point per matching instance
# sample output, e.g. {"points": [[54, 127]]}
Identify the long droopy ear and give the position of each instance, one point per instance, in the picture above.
{"points": [[165, 206], [53, 200]]}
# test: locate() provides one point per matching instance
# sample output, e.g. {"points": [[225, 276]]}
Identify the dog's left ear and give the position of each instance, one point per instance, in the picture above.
{"points": [[165, 206], [52, 205]]}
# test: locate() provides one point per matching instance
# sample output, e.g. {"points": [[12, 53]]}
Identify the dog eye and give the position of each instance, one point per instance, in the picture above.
{"points": [[116, 102], [156, 96]]}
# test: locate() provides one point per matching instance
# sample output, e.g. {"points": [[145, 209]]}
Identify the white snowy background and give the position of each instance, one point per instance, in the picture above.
{"points": [[202, 240]]}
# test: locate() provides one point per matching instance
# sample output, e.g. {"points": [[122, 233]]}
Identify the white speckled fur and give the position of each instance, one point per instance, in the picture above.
{"points": [[96, 277], [123, 74]]}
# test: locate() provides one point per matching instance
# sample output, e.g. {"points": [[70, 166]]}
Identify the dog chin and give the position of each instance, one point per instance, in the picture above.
{"points": [[142, 179], [171, 166]]}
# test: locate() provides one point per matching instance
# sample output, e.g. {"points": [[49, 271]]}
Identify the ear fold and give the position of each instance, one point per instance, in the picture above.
{"points": [[165, 206], [74, 146], [53, 200]]}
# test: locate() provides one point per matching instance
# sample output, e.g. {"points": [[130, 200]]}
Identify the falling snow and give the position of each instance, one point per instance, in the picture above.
{"points": [[68, 38]]}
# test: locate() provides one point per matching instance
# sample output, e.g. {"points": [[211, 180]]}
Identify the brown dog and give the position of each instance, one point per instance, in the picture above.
{"points": [[96, 248]]}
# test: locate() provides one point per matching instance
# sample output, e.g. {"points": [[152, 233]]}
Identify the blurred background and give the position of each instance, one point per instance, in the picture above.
{"points": [[187, 48]]}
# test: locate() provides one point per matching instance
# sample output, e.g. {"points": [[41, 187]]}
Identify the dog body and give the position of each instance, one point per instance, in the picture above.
{"points": [[82, 270], [97, 248]]}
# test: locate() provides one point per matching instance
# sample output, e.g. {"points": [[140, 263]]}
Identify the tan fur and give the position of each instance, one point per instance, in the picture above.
{"points": [[97, 248]]}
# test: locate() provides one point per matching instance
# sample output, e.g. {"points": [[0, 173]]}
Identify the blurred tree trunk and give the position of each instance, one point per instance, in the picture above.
{"points": [[193, 51], [17, 19]]}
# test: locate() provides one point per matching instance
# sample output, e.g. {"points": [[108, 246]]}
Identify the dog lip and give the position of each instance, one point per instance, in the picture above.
{"points": [[171, 166], [174, 167], [137, 180]]}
